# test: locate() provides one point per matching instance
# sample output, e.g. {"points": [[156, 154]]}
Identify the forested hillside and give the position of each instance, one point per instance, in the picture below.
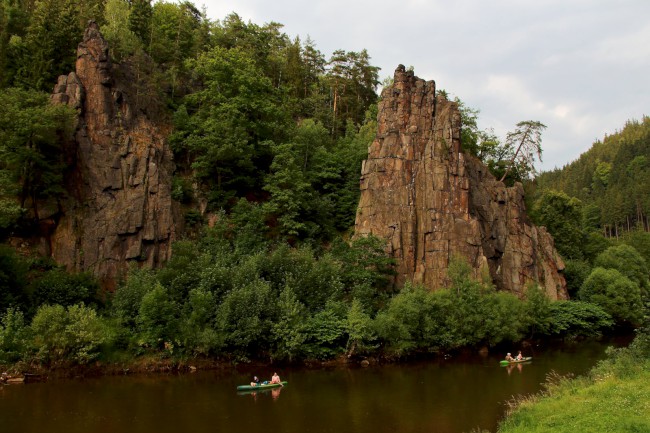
{"points": [[256, 114], [612, 180]]}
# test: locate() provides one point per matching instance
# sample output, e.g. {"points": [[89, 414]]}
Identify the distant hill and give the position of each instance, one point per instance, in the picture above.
{"points": [[612, 179]]}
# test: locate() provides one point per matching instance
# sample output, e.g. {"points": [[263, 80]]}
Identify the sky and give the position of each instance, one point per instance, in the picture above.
{"points": [[581, 67]]}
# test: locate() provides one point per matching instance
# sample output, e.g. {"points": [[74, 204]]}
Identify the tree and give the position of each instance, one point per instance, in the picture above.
{"points": [[49, 47], [615, 293], [234, 119], [140, 19], [527, 137], [562, 216], [64, 334], [122, 40], [31, 132], [627, 260]]}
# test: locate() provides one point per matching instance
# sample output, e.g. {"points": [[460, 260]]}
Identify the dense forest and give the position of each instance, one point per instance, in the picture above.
{"points": [[268, 133]]}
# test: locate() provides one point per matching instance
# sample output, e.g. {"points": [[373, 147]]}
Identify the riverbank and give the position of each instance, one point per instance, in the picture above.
{"points": [[156, 365], [614, 397]]}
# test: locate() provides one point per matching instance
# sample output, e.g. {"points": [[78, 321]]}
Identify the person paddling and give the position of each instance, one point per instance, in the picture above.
{"points": [[509, 357], [520, 357]]}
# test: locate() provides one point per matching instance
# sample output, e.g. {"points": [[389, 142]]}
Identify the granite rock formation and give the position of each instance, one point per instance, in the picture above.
{"points": [[120, 208], [430, 201]]}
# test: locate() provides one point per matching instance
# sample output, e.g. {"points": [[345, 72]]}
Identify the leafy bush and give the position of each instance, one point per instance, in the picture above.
{"points": [[125, 302], [13, 282], [14, 336], [244, 318], [60, 287], [627, 260], [615, 293], [360, 330], [400, 326], [577, 318], [288, 331], [325, 332], [74, 334], [197, 325], [157, 319]]}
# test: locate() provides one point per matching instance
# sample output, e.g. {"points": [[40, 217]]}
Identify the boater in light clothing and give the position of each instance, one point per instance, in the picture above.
{"points": [[276, 378]]}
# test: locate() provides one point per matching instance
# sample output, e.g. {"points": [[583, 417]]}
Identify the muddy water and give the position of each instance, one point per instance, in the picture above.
{"points": [[450, 396]]}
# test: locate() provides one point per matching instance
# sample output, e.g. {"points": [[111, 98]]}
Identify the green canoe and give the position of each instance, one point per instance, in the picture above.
{"points": [[260, 387], [526, 359]]}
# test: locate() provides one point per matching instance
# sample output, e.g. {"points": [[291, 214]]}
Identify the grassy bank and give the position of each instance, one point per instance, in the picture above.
{"points": [[614, 397]]}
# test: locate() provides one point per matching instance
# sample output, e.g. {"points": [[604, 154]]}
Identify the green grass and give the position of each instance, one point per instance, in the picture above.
{"points": [[606, 402]]}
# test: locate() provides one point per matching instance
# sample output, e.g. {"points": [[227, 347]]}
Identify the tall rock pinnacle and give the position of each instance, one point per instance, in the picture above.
{"points": [[120, 208], [430, 201]]}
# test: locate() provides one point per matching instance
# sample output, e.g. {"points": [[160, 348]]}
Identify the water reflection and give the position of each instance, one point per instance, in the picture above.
{"points": [[273, 392]]}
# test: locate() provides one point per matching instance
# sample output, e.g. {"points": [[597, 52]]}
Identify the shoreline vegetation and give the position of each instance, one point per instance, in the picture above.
{"points": [[285, 306], [613, 397]]}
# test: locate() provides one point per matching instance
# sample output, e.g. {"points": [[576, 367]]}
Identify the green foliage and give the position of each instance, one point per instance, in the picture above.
{"points": [[244, 318], [538, 310], [577, 318], [611, 179], [122, 41], [197, 326], [47, 48], [313, 280], [640, 240], [615, 293], [360, 330], [57, 286], [13, 282], [183, 271], [627, 260], [288, 331], [575, 273], [157, 320], [562, 216], [404, 325], [325, 332], [125, 302], [62, 334], [526, 144], [234, 118], [140, 19], [15, 337], [365, 265], [30, 148]]}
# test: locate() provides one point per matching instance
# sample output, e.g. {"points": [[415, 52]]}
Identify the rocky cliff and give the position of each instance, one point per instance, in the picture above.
{"points": [[120, 208], [430, 201]]}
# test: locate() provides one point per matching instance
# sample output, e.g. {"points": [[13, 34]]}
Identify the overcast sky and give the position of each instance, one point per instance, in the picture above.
{"points": [[582, 67]]}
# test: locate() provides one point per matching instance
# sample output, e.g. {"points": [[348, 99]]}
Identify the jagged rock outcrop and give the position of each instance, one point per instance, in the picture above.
{"points": [[120, 208], [431, 201]]}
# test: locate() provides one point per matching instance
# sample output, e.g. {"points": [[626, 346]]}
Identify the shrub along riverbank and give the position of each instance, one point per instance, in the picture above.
{"points": [[220, 301], [614, 397]]}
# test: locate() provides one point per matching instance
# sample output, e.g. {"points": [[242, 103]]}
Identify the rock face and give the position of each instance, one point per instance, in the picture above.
{"points": [[430, 201], [120, 208]]}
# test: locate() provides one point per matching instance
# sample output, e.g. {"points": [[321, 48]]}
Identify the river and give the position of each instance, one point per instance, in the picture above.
{"points": [[445, 396]]}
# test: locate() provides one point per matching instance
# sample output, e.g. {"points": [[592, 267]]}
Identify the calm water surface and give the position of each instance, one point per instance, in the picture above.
{"points": [[449, 396]]}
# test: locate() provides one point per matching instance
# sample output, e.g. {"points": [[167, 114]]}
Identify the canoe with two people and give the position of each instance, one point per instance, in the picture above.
{"points": [[509, 359], [256, 384]]}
